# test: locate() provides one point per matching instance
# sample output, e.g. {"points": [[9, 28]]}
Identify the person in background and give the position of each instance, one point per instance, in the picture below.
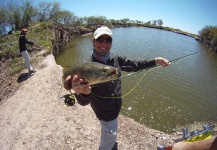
{"points": [[23, 50], [105, 99]]}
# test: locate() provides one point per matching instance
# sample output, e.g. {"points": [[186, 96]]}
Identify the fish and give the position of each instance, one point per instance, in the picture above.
{"points": [[92, 72]]}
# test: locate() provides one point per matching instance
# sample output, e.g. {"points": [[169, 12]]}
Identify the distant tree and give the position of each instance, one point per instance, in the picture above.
{"points": [[90, 20], [137, 22], [47, 11], [55, 12], [99, 20], [124, 21], [213, 37], [213, 32], [85, 21], [44, 9], [95, 20], [132, 22], [147, 23], [118, 22], [79, 21], [154, 23], [14, 14], [160, 22], [66, 17], [208, 35], [28, 12], [3, 21], [113, 21], [204, 33]]}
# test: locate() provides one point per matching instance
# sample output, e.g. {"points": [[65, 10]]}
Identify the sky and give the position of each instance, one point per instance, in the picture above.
{"points": [[187, 15]]}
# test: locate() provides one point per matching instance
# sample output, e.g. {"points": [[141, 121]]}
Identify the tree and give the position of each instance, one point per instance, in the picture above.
{"points": [[204, 33], [89, 20], [154, 23], [100, 20], [132, 22], [208, 35], [14, 15], [148, 23], [160, 22], [28, 13], [66, 17], [137, 22], [113, 21], [79, 21], [18, 13], [124, 21], [55, 12], [213, 37], [43, 11], [47, 11], [3, 21]]}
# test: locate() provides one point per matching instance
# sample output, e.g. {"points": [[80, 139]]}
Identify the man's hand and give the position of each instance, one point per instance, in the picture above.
{"points": [[162, 61], [79, 85]]}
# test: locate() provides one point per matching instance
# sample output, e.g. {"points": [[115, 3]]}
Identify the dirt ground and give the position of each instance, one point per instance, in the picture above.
{"points": [[35, 117]]}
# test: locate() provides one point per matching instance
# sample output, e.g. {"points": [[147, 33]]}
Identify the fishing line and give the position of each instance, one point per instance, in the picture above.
{"points": [[148, 69], [180, 58], [127, 75]]}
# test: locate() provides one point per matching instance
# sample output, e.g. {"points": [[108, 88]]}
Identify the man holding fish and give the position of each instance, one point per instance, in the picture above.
{"points": [[105, 98]]}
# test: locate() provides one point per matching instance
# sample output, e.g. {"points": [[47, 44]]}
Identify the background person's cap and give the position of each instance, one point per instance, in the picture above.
{"points": [[24, 30], [102, 30]]}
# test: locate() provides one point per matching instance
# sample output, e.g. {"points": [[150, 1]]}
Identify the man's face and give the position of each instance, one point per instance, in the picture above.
{"points": [[102, 44]]}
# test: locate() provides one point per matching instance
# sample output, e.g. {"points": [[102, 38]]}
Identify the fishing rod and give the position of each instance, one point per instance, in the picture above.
{"points": [[140, 70], [142, 76], [158, 65], [185, 56], [69, 101]]}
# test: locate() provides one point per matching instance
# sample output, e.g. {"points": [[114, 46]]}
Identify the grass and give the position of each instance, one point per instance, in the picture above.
{"points": [[16, 65], [39, 33]]}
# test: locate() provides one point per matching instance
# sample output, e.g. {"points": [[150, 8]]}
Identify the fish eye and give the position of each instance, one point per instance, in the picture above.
{"points": [[107, 67], [105, 70]]}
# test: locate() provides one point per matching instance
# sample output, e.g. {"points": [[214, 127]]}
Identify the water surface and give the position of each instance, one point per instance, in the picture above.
{"points": [[161, 98]]}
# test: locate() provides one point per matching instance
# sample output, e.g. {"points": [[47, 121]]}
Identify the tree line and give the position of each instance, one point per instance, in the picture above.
{"points": [[16, 14], [208, 35]]}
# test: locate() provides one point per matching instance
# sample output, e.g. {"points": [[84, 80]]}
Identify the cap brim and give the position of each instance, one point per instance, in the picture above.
{"points": [[102, 33]]}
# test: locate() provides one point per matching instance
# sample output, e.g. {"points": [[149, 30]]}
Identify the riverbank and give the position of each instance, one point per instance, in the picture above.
{"points": [[36, 118]]}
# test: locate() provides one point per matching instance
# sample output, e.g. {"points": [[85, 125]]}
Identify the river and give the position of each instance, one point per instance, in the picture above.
{"points": [[160, 98]]}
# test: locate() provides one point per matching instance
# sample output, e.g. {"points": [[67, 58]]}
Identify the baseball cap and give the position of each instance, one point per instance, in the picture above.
{"points": [[24, 30], [102, 30]]}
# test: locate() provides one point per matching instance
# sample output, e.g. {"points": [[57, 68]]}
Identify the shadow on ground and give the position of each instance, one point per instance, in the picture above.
{"points": [[23, 77]]}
